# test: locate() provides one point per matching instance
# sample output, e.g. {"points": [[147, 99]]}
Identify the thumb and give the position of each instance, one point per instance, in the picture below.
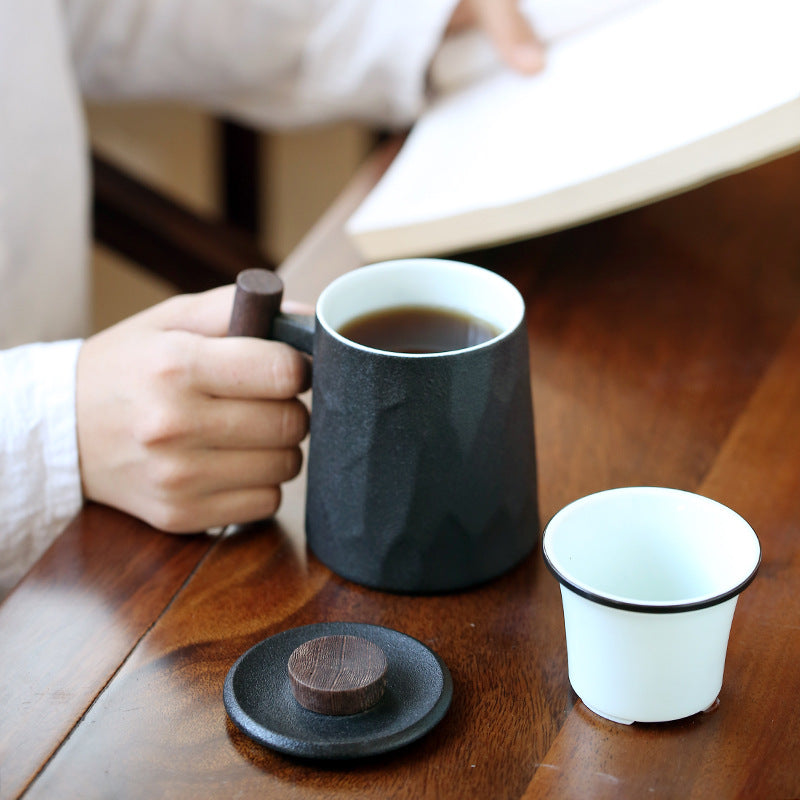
{"points": [[512, 35], [206, 313]]}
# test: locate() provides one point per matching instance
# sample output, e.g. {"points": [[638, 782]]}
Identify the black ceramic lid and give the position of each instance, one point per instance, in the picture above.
{"points": [[259, 700]]}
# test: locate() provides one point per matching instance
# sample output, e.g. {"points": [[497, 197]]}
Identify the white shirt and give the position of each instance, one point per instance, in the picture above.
{"points": [[269, 62]]}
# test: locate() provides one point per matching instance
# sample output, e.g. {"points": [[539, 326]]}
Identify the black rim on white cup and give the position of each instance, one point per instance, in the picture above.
{"points": [[651, 549]]}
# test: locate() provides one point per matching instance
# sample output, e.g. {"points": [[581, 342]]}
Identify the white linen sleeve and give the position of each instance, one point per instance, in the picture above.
{"points": [[39, 471], [271, 62]]}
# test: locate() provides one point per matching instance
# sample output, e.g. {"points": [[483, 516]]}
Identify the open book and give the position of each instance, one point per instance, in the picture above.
{"points": [[643, 100]]}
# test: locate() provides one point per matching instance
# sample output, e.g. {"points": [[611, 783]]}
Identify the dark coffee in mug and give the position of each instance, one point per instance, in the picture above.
{"points": [[418, 329]]}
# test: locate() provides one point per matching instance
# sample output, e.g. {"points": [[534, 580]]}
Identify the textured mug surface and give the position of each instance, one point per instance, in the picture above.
{"points": [[421, 474]]}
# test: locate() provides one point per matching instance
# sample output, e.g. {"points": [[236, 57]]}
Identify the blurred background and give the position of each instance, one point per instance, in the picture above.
{"points": [[176, 150]]}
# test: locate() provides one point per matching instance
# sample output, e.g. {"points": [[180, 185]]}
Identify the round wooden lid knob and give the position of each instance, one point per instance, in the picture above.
{"points": [[338, 675]]}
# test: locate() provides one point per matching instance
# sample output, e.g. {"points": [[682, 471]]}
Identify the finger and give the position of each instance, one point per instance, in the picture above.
{"points": [[223, 508], [463, 17], [181, 480], [225, 471], [296, 307], [241, 367], [238, 507], [206, 313], [220, 423], [512, 35]]}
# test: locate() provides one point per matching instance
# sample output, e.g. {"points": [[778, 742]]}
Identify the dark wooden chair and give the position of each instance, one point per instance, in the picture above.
{"points": [[191, 251]]}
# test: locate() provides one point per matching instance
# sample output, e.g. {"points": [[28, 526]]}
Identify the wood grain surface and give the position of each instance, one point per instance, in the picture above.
{"points": [[67, 628], [665, 350], [337, 674]]}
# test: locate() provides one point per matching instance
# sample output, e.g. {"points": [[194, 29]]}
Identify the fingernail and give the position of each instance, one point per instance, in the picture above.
{"points": [[528, 58]]}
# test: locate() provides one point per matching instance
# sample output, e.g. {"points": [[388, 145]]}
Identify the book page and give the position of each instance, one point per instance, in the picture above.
{"points": [[660, 76], [469, 56]]}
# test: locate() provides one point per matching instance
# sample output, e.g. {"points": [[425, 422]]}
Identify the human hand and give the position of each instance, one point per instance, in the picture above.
{"points": [[507, 28], [183, 427]]}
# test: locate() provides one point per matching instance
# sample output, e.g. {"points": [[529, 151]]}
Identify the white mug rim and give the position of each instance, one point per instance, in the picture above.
{"points": [[454, 270]]}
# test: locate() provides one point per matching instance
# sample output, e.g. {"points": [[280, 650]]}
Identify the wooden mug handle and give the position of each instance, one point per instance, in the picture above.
{"points": [[256, 303]]}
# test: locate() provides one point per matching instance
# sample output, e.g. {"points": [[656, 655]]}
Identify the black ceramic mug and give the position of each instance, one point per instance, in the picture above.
{"points": [[421, 467]]}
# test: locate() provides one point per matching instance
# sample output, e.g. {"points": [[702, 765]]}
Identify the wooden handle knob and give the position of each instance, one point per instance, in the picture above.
{"points": [[338, 675], [257, 301]]}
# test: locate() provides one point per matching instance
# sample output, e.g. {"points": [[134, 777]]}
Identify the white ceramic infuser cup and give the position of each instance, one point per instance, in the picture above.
{"points": [[649, 582]]}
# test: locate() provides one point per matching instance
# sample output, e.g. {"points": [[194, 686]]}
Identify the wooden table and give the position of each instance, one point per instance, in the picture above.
{"points": [[665, 349]]}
